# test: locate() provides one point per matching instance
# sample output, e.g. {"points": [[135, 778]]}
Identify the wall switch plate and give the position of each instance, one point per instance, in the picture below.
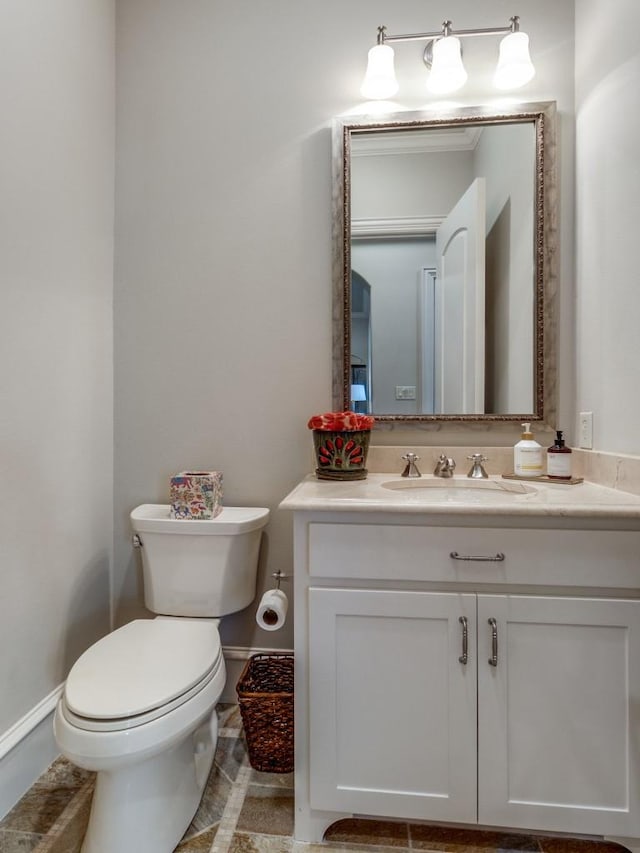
{"points": [[585, 433], [405, 392]]}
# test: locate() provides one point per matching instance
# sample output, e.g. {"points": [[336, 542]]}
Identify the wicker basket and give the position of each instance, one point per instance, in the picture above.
{"points": [[265, 696]]}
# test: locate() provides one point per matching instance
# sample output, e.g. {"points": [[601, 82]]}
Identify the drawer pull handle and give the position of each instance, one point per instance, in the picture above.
{"points": [[479, 559], [465, 640], [493, 660]]}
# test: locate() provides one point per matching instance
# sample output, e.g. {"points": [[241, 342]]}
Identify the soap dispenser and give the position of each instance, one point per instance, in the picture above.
{"points": [[527, 455], [559, 459]]}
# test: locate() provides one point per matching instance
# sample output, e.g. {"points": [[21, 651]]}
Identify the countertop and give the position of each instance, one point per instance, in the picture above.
{"points": [[460, 496]]}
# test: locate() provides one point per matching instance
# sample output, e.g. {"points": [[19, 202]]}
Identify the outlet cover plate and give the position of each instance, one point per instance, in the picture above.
{"points": [[585, 432]]}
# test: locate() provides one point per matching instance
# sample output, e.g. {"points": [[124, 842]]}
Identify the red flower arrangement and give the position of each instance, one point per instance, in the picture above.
{"points": [[341, 422], [341, 441]]}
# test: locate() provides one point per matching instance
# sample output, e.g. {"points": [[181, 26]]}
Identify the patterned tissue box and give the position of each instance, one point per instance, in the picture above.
{"points": [[196, 494]]}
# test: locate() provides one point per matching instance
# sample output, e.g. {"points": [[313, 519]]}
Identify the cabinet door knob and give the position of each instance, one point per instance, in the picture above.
{"points": [[493, 660], [465, 640]]}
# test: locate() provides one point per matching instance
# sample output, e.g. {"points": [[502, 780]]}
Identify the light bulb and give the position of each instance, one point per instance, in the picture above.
{"points": [[514, 64], [447, 71], [380, 80]]}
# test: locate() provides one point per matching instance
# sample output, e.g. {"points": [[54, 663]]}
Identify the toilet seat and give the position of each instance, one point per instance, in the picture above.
{"points": [[141, 672]]}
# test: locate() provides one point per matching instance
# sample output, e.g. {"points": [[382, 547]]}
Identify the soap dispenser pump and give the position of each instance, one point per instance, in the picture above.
{"points": [[559, 459], [527, 455]]}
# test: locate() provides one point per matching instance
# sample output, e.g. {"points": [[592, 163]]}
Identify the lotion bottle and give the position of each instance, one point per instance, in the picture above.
{"points": [[559, 459], [527, 455]]}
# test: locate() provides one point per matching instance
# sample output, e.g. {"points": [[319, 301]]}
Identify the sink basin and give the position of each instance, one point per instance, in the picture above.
{"points": [[461, 490]]}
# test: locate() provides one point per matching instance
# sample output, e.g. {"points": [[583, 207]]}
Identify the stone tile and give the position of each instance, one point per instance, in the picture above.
{"points": [[64, 774], [215, 796], [578, 845], [616, 471], [38, 810], [331, 847], [272, 780], [44, 803], [200, 843], [230, 754], [453, 840], [370, 832], [68, 832], [267, 810], [243, 842], [629, 474], [18, 842], [229, 717]]}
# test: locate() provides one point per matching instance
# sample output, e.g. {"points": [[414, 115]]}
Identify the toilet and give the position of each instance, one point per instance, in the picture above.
{"points": [[139, 706]]}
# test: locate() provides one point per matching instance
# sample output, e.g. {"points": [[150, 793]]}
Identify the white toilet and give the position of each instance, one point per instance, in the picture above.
{"points": [[139, 706]]}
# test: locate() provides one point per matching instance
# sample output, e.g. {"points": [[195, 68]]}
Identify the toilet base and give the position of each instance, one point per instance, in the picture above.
{"points": [[147, 807]]}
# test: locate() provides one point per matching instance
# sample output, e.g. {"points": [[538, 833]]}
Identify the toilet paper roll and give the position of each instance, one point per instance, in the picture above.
{"points": [[272, 610]]}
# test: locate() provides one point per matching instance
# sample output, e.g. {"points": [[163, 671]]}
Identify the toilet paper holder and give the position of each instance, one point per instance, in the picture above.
{"points": [[272, 609], [279, 577]]}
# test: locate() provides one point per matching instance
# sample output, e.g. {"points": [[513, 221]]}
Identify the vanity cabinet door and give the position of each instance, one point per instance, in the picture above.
{"points": [[559, 714], [392, 705]]}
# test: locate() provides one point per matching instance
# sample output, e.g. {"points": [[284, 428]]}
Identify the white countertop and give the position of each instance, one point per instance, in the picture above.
{"points": [[462, 496]]}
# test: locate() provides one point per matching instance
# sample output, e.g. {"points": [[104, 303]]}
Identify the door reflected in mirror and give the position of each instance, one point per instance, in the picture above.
{"points": [[443, 266]]}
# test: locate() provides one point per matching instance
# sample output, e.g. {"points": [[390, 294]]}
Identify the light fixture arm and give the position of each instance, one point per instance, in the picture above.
{"points": [[447, 30]]}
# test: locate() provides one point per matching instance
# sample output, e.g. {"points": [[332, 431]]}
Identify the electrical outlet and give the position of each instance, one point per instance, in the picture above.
{"points": [[586, 430], [405, 392]]}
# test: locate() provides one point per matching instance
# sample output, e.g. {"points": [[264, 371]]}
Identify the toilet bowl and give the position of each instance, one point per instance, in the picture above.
{"points": [[138, 707]]}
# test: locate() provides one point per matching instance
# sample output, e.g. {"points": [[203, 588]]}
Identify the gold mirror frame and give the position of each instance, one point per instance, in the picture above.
{"points": [[542, 115]]}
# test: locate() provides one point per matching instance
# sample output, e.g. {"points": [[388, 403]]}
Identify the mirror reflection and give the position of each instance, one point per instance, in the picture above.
{"points": [[443, 268]]}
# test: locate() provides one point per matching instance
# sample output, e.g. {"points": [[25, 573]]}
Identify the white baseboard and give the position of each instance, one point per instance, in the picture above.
{"points": [[235, 657], [12, 737], [26, 750]]}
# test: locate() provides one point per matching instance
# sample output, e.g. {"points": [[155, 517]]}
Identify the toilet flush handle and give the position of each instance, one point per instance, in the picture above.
{"points": [[136, 541]]}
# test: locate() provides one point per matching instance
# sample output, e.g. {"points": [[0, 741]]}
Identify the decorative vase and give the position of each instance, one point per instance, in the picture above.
{"points": [[341, 454]]}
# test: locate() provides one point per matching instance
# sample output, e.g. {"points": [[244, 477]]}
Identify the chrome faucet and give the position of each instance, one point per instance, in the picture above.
{"points": [[477, 472], [445, 466], [411, 469]]}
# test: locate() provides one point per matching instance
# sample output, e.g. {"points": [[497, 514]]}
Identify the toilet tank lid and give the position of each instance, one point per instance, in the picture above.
{"points": [[155, 518], [142, 665]]}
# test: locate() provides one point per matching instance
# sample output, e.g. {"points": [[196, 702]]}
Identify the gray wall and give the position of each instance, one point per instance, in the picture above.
{"points": [[223, 254], [607, 308], [56, 400]]}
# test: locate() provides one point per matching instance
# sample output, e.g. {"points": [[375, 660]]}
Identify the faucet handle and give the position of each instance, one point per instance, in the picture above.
{"points": [[411, 469], [477, 471]]}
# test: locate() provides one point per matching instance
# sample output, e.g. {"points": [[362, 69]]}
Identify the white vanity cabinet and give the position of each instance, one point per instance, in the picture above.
{"points": [[392, 725], [500, 692]]}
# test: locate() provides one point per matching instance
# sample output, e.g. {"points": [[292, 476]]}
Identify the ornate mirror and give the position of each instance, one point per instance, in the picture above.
{"points": [[444, 236]]}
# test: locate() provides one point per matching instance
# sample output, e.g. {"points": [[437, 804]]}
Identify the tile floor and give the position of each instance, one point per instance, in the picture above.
{"points": [[244, 811]]}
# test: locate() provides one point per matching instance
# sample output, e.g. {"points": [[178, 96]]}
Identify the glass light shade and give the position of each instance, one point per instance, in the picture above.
{"points": [[358, 393], [380, 80], [514, 64], [447, 71]]}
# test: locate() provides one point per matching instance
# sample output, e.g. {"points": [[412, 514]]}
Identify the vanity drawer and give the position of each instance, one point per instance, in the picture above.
{"points": [[589, 558]]}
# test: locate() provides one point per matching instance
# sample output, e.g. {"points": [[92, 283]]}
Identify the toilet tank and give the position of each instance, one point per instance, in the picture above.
{"points": [[199, 567]]}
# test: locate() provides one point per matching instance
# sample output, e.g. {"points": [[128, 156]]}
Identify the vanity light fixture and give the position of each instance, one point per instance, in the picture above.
{"points": [[443, 56]]}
